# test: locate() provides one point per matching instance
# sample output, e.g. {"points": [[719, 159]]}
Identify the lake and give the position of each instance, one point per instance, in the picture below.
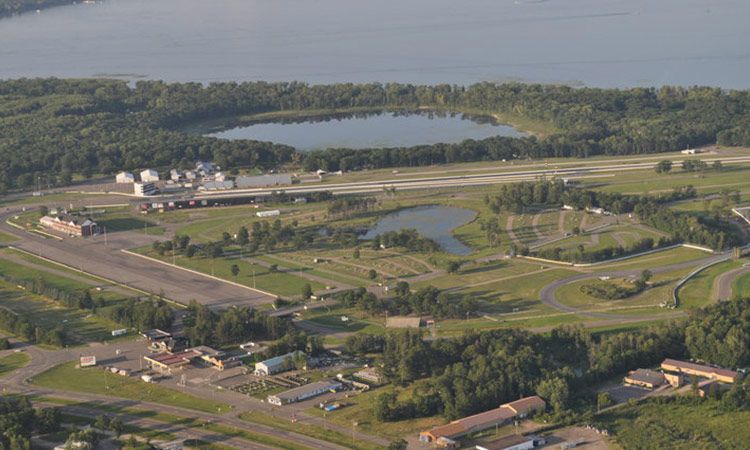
{"points": [[383, 129], [608, 43], [436, 222]]}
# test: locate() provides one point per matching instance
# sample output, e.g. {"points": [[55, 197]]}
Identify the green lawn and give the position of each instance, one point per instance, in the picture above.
{"points": [[12, 362], [741, 285], [251, 275], [334, 322], [698, 291], [314, 431], [94, 380], [682, 423], [80, 326], [6, 238]]}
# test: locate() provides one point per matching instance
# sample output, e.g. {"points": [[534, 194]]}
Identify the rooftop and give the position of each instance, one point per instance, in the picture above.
{"points": [[526, 404], [647, 376], [277, 360], [699, 368], [293, 394]]}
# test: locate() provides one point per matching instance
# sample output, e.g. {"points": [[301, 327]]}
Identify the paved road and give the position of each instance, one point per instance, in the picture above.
{"points": [[722, 289], [42, 360], [506, 176], [93, 256], [547, 294]]}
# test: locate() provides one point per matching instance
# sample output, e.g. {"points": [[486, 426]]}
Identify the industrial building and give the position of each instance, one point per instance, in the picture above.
{"points": [[247, 181], [269, 213], [445, 435], [124, 177], [301, 393], [149, 175], [369, 374], [68, 224], [649, 379], [699, 370], [144, 189], [217, 185], [277, 364]]}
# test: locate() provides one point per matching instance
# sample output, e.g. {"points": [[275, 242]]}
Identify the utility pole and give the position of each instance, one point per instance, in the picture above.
{"points": [[253, 278], [105, 235]]}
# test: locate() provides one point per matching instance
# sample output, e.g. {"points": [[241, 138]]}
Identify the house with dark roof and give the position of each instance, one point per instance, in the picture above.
{"points": [[645, 378]]}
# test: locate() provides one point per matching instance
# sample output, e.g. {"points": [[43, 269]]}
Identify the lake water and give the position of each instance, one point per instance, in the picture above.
{"points": [[386, 129], [593, 42], [435, 222]]}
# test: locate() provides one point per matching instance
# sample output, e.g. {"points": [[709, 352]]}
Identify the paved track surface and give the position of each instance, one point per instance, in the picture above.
{"points": [[107, 261]]}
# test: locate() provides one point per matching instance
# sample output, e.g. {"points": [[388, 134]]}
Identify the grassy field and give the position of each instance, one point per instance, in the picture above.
{"points": [[314, 431], [741, 285], [80, 326], [358, 408], [623, 235], [251, 275], [12, 362], [97, 381], [661, 291], [680, 424], [698, 291], [657, 259], [6, 238]]}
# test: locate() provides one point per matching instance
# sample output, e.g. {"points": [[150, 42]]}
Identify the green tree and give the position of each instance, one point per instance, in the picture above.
{"points": [[555, 391], [235, 270], [664, 166], [603, 400], [372, 274], [307, 291]]}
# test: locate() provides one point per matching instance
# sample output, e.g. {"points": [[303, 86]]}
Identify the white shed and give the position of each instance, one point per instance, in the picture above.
{"points": [[149, 176], [124, 177]]}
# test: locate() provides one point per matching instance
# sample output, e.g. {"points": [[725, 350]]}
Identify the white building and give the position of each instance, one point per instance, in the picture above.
{"points": [[124, 177], [277, 364], [270, 213], [301, 393], [144, 189], [149, 175]]}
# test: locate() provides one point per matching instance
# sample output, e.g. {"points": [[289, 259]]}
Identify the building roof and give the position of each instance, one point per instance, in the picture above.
{"points": [[278, 360], [169, 359], [527, 404], [403, 322], [302, 391], [155, 334], [452, 429], [699, 368], [646, 376], [245, 181], [488, 417], [504, 442], [205, 350]]}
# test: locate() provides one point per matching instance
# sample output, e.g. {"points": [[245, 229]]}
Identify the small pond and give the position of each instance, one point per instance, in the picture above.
{"points": [[435, 222], [372, 130]]}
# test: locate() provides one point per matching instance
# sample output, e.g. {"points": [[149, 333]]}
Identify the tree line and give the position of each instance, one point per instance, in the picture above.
{"points": [[53, 129], [479, 370], [10, 7]]}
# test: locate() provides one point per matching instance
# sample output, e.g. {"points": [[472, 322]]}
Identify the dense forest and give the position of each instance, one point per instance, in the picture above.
{"points": [[480, 370], [10, 7], [52, 129]]}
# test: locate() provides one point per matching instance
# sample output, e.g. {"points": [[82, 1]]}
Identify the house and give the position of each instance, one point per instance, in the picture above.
{"points": [[205, 168], [175, 175], [216, 358], [649, 379], [149, 175], [512, 442], [69, 224], [124, 177], [483, 421], [277, 364], [247, 181], [403, 322], [301, 393], [144, 189], [699, 370]]}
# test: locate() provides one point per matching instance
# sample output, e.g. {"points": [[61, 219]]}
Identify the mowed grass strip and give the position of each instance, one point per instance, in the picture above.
{"points": [[97, 381], [313, 431], [6, 238], [13, 362], [698, 291]]}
